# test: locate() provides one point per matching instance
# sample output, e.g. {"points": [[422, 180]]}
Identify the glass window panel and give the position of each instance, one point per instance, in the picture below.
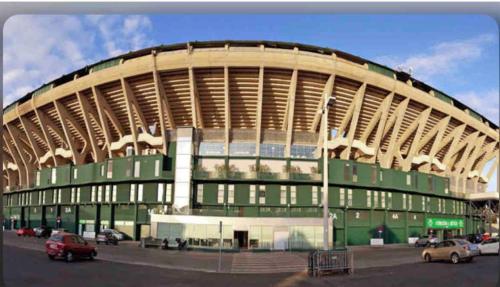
{"points": [[272, 150], [211, 148], [302, 151], [242, 149]]}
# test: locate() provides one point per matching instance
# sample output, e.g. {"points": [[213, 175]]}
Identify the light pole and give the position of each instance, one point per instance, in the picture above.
{"points": [[329, 102]]}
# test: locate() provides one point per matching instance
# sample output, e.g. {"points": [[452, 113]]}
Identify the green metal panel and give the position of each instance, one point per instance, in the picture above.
{"points": [[85, 194], [34, 197], [210, 193], [85, 173], [63, 175], [68, 218], [66, 195], [35, 216], [45, 177], [273, 194], [50, 215], [250, 211], [304, 195], [150, 192], [87, 212], [49, 196], [358, 235], [338, 227], [366, 174], [425, 183], [123, 168], [397, 201], [358, 198], [395, 235], [142, 212], [126, 212], [123, 192], [105, 214], [241, 194]]}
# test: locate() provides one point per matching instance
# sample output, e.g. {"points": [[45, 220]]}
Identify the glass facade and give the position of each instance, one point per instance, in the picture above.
{"points": [[272, 150], [302, 151], [242, 149], [211, 148]]}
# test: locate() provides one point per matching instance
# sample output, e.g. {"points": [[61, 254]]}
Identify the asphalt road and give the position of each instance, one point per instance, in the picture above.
{"points": [[23, 267]]}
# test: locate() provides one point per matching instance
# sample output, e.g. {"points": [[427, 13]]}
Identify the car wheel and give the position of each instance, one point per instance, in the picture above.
{"points": [[92, 255], [52, 257], [454, 258], [69, 257], [469, 260], [427, 257]]}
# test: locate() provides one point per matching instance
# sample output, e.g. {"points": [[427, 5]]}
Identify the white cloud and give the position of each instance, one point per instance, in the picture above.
{"points": [[38, 49], [485, 102], [442, 58]]}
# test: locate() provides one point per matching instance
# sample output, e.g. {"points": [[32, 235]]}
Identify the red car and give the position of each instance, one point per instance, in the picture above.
{"points": [[69, 246], [24, 231]]}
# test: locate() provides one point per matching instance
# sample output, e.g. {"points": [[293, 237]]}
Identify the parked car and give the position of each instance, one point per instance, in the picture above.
{"points": [[426, 240], [115, 233], [69, 246], [25, 231], [455, 250], [42, 231], [489, 246], [106, 238]]}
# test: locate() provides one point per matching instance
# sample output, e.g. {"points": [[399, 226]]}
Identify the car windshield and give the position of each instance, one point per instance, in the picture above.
{"points": [[463, 242], [77, 239], [56, 237]]}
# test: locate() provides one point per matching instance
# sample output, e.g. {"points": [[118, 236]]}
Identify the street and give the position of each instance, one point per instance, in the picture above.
{"points": [[25, 267]]}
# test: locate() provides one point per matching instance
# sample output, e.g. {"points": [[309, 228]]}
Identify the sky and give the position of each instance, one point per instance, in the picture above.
{"points": [[457, 54]]}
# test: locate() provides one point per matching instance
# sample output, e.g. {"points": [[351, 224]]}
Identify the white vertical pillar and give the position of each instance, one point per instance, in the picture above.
{"points": [[183, 171]]}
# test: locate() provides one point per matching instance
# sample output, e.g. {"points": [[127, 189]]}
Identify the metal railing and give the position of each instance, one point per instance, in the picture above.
{"points": [[223, 174], [328, 261]]}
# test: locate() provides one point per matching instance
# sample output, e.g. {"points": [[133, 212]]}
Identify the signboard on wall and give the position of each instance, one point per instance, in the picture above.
{"points": [[444, 223]]}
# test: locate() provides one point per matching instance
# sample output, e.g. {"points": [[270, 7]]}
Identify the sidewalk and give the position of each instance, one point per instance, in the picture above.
{"points": [[128, 252]]}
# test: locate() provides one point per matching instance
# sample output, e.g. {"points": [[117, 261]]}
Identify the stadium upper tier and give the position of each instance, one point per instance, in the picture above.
{"points": [[248, 92]]}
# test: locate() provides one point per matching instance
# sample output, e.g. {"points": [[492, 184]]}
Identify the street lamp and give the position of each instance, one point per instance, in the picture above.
{"points": [[330, 101]]}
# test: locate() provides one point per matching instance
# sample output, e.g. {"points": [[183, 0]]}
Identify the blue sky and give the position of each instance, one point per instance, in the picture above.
{"points": [[457, 54]]}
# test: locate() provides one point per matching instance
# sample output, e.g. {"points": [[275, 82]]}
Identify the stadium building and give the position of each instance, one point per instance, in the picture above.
{"points": [[171, 140]]}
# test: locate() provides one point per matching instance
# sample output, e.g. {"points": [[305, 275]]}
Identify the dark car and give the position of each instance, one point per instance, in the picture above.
{"points": [[43, 231], [25, 231], [69, 246], [106, 238]]}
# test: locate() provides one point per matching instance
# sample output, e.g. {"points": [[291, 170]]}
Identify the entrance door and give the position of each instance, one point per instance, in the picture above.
{"points": [[281, 240], [242, 237]]}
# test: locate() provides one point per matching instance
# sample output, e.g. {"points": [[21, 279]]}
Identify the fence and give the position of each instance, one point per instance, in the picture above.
{"points": [[328, 261]]}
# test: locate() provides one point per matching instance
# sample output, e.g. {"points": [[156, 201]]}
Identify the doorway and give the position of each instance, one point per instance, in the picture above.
{"points": [[242, 238]]}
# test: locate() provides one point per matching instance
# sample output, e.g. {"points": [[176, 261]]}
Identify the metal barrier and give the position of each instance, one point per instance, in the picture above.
{"points": [[327, 261]]}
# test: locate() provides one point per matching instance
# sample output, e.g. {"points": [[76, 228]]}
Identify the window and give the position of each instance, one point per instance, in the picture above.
{"points": [[314, 194], [375, 199], [342, 197], [220, 193], [349, 197], [272, 150], [211, 148], [252, 194], [408, 179], [109, 173], [78, 195], [31, 197], [242, 149], [354, 173], [230, 194], [374, 175], [140, 192], [128, 171], [428, 204], [444, 206], [137, 168], [39, 198], [169, 193], [93, 194], [410, 203], [368, 198], [283, 195], [75, 173], [38, 178], [293, 195], [302, 151], [102, 169], [199, 193], [161, 190], [382, 199], [404, 201], [157, 168], [439, 204], [262, 194], [107, 194], [389, 200], [54, 196], [44, 194], [73, 194], [454, 208], [53, 176], [347, 171], [132, 193], [99, 193], [423, 203], [381, 176]]}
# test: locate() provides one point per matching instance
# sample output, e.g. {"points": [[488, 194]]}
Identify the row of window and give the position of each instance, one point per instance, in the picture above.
{"points": [[106, 170], [164, 191], [261, 195], [250, 149]]}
